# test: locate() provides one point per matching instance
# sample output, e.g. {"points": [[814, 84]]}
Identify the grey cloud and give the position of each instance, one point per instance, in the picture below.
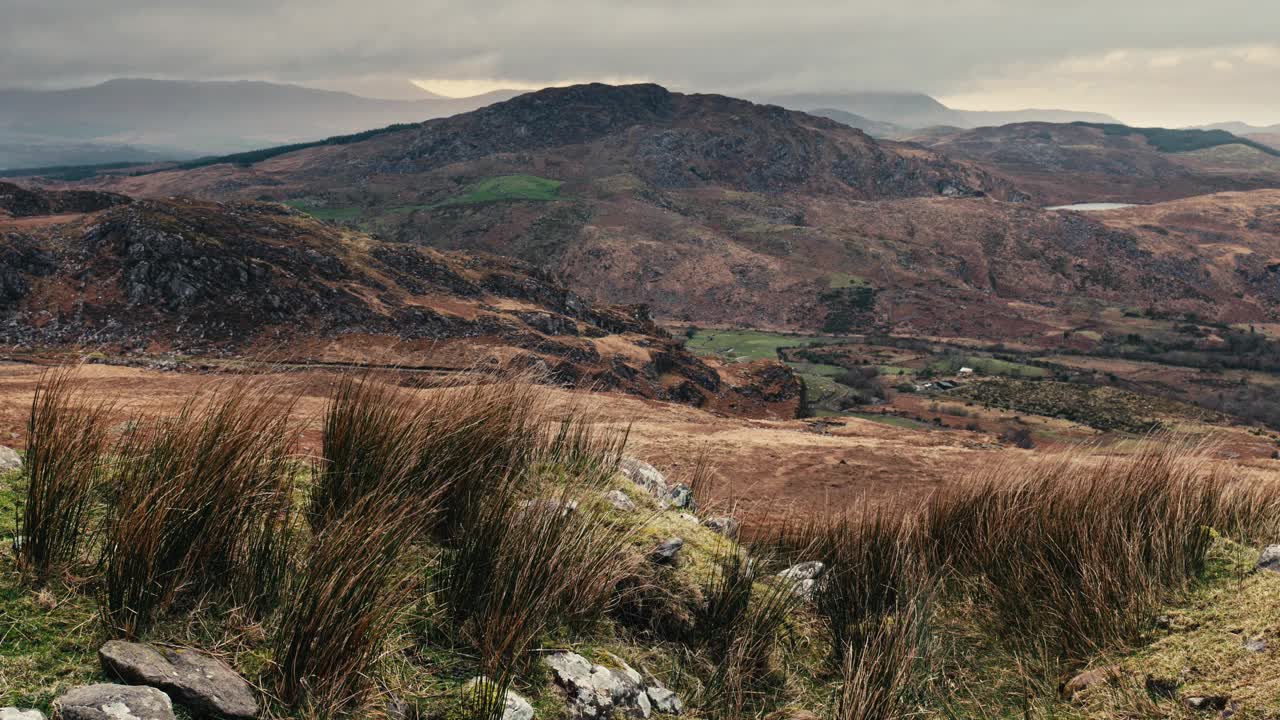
{"points": [[936, 46]]}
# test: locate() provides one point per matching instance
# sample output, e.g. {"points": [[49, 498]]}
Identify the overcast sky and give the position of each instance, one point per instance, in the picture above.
{"points": [[1171, 62]]}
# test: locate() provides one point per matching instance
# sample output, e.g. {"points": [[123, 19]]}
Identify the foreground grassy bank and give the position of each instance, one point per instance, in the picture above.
{"points": [[476, 530]]}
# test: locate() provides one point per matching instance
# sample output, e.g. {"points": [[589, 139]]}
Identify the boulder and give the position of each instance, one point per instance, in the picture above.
{"points": [[113, 702], [667, 551], [199, 681], [619, 501], [803, 571], [9, 460], [645, 475], [803, 577], [516, 707], [596, 692], [726, 526], [13, 713], [1270, 559], [681, 496], [663, 700]]}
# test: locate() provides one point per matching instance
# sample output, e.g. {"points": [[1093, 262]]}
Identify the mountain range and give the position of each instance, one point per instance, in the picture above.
{"points": [[917, 110], [716, 210], [141, 120]]}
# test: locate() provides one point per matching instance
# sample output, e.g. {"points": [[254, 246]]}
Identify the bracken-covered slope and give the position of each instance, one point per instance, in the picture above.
{"points": [[180, 277]]}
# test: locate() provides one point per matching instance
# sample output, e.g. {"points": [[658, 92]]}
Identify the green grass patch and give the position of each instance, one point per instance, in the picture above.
{"points": [[750, 344], [508, 188], [987, 366], [840, 281]]}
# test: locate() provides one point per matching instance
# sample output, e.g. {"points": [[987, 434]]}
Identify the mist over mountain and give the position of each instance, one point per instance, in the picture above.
{"points": [[143, 120], [917, 110]]}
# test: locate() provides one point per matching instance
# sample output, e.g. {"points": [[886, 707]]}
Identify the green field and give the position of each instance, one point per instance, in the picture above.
{"points": [[506, 188], [988, 366], [750, 344]]}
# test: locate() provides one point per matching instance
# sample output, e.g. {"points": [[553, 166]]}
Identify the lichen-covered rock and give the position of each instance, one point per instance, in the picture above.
{"points": [[619, 501], [664, 700], [645, 475], [803, 576], [13, 713], [595, 692], [681, 496], [515, 707], [198, 681], [9, 460], [106, 701]]}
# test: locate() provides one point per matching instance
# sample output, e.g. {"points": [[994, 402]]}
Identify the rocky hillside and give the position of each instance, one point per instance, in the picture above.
{"points": [[1064, 163], [178, 277], [16, 201], [717, 211]]}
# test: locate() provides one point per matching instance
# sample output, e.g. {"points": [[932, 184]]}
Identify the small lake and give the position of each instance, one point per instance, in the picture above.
{"points": [[1091, 207]]}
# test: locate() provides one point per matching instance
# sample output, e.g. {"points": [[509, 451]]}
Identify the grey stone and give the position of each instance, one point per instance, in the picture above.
{"points": [[726, 526], [681, 496], [113, 702], [664, 701], [596, 692], [13, 713], [620, 501], [516, 707], [1256, 645], [804, 577], [9, 460], [1270, 559], [1206, 703], [667, 550], [803, 571], [199, 681], [645, 475]]}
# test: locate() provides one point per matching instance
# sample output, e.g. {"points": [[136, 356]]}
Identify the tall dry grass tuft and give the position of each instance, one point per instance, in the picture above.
{"points": [[461, 438], [522, 567], [202, 503], [372, 441], [879, 677], [739, 627], [876, 598], [1077, 553], [340, 606], [66, 440]]}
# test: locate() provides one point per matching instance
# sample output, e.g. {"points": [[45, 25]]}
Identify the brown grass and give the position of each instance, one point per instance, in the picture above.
{"points": [[66, 437]]}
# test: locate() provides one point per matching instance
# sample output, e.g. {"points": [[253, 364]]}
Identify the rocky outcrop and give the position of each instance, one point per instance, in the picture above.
{"points": [[195, 680], [30, 202], [113, 702], [596, 692]]}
